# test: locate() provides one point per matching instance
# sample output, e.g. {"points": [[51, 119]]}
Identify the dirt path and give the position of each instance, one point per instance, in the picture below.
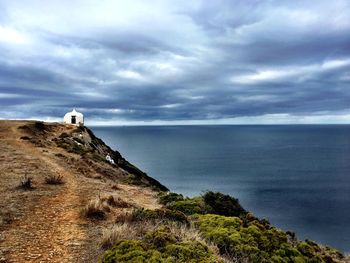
{"points": [[52, 231], [45, 224]]}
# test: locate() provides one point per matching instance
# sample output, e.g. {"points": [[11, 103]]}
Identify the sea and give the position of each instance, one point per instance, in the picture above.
{"points": [[296, 176]]}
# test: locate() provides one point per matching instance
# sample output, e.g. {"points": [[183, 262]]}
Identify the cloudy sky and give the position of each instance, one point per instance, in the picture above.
{"points": [[183, 61]]}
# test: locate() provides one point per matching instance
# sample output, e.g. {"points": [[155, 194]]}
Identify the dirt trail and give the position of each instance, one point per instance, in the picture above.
{"points": [[45, 225], [52, 226]]}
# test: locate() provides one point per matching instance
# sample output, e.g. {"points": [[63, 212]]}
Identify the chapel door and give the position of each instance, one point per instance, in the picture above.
{"points": [[74, 121]]}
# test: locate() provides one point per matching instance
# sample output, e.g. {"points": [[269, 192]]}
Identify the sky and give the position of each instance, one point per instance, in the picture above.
{"points": [[156, 62]]}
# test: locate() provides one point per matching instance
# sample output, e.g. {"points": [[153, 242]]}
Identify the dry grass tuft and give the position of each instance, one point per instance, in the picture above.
{"points": [[96, 209], [125, 231], [185, 233], [54, 179], [118, 232], [26, 183], [116, 202], [125, 217]]}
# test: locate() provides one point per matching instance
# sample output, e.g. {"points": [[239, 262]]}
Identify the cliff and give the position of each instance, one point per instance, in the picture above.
{"points": [[62, 201]]}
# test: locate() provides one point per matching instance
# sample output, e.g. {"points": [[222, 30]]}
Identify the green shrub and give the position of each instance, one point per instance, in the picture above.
{"points": [[222, 204], [190, 206], [160, 214], [168, 197], [160, 246], [222, 231], [209, 203], [131, 251], [160, 237], [193, 251], [257, 243], [306, 249]]}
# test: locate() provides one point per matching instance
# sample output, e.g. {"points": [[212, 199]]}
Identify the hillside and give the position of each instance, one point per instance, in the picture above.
{"points": [[43, 223], [62, 201]]}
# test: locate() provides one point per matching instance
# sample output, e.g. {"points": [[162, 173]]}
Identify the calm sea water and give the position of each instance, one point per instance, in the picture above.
{"points": [[298, 177]]}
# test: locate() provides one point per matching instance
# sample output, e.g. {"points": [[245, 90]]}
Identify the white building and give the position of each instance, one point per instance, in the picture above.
{"points": [[74, 117]]}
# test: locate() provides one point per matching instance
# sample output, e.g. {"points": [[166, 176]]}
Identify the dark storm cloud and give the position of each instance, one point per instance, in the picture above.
{"points": [[183, 61]]}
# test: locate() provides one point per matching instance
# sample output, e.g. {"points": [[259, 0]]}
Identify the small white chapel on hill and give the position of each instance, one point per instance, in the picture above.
{"points": [[74, 117]]}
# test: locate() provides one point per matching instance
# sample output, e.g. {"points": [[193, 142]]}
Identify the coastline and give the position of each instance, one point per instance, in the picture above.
{"points": [[78, 155]]}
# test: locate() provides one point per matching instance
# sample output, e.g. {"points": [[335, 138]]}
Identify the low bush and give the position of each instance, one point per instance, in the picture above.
{"points": [[160, 245], [189, 206], [54, 179], [222, 204], [159, 215], [209, 203], [217, 219], [168, 197], [255, 242]]}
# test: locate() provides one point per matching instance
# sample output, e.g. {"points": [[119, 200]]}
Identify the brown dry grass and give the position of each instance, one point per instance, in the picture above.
{"points": [[96, 209], [118, 232], [54, 179], [46, 225], [26, 183], [115, 201]]}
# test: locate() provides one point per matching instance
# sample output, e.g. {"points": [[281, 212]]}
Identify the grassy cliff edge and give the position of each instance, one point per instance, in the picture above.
{"points": [[131, 217]]}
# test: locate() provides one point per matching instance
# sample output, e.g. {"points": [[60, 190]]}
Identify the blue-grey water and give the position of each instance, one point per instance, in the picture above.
{"points": [[298, 176]]}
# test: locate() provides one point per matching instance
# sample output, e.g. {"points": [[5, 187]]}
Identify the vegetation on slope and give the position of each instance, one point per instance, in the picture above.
{"points": [[213, 227], [221, 221], [160, 245]]}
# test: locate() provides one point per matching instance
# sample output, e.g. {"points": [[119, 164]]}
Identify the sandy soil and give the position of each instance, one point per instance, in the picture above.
{"points": [[45, 224]]}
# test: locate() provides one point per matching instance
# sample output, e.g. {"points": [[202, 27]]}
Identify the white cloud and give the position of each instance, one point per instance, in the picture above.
{"points": [[294, 73], [9, 35], [129, 74]]}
